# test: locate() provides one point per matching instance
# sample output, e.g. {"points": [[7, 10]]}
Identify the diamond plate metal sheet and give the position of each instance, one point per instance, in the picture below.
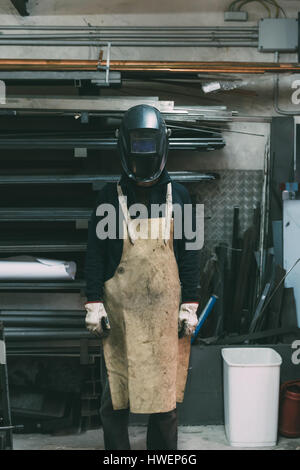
{"points": [[235, 188]]}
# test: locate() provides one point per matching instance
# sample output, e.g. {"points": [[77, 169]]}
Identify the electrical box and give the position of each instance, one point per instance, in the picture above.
{"points": [[278, 35], [235, 16]]}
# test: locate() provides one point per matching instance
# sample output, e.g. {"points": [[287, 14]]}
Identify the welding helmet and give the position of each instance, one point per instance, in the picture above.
{"points": [[143, 143]]}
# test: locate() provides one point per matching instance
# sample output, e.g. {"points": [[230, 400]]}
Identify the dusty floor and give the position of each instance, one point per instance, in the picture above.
{"points": [[190, 438]]}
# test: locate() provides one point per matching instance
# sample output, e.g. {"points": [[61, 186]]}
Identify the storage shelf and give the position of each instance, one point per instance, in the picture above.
{"points": [[42, 286], [44, 214], [190, 143], [41, 247]]}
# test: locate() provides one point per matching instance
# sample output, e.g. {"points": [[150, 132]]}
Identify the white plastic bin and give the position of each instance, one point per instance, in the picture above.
{"points": [[251, 380]]}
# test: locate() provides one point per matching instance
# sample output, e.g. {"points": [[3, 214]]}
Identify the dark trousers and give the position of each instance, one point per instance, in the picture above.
{"points": [[161, 431]]}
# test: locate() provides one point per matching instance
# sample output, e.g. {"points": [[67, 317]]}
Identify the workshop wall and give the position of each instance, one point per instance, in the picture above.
{"points": [[245, 140], [256, 99]]}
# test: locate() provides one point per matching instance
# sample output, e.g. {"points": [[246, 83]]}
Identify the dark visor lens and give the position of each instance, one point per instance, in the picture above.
{"points": [[143, 145], [144, 166]]}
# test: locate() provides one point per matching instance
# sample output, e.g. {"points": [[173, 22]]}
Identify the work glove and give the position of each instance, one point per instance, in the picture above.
{"points": [[187, 320], [96, 319]]}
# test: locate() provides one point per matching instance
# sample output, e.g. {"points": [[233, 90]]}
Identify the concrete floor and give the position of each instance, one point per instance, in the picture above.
{"points": [[190, 438]]}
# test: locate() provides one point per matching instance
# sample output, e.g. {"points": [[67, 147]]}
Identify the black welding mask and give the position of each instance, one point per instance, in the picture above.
{"points": [[143, 143]]}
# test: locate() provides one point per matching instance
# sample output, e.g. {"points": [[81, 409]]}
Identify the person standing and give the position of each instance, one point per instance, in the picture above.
{"points": [[142, 290]]}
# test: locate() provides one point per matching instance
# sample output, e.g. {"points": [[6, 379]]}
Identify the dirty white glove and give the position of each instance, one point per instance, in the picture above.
{"points": [[187, 320], [96, 319]]}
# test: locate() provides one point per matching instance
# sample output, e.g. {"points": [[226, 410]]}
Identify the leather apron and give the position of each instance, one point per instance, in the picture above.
{"points": [[146, 362]]}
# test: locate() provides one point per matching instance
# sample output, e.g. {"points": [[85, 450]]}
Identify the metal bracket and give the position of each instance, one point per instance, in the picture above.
{"points": [[82, 293], [100, 59], [98, 185], [80, 152], [77, 83], [84, 117], [107, 66], [81, 224], [85, 357]]}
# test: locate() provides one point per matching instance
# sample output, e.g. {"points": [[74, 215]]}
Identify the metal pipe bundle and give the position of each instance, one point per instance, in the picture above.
{"points": [[140, 66], [172, 36], [47, 324]]}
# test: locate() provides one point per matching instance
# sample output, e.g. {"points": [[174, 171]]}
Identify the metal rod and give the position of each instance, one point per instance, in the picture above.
{"points": [[150, 66], [47, 43], [49, 213], [39, 313], [7, 428], [45, 333], [127, 28], [42, 286], [104, 144], [108, 37], [38, 247], [5, 397], [44, 322], [71, 179]]}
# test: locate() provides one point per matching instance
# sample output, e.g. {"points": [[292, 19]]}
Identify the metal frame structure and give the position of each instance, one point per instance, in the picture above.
{"points": [[62, 333]]}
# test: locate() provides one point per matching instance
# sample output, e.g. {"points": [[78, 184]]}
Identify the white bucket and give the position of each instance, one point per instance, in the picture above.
{"points": [[251, 380]]}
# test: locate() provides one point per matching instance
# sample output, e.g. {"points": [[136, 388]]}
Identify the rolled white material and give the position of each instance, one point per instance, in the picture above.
{"points": [[25, 268]]}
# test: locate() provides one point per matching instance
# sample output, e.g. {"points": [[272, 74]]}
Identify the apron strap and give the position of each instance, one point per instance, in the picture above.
{"points": [[168, 214], [122, 201]]}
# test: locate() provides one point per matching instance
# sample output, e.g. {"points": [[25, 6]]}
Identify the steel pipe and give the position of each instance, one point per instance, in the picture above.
{"points": [[104, 144], [40, 313], [41, 286], [109, 37], [42, 322], [126, 28], [45, 333], [49, 43], [38, 247], [188, 176]]}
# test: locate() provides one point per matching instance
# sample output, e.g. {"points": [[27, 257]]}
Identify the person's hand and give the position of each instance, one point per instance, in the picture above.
{"points": [[96, 319], [187, 320]]}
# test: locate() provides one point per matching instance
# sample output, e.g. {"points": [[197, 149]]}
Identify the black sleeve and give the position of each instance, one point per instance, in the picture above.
{"points": [[95, 258], [188, 260]]}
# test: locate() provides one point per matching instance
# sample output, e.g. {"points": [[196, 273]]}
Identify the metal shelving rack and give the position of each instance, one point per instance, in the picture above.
{"points": [[67, 340]]}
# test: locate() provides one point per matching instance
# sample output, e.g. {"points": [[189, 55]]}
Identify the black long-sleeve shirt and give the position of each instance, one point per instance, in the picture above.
{"points": [[103, 256]]}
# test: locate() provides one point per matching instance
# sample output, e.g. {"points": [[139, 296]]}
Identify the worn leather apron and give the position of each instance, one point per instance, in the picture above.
{"points": [[146, 362]]}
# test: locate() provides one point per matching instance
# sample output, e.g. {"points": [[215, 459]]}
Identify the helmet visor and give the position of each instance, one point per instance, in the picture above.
{"points": [[141, 143], [143, 160]]}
